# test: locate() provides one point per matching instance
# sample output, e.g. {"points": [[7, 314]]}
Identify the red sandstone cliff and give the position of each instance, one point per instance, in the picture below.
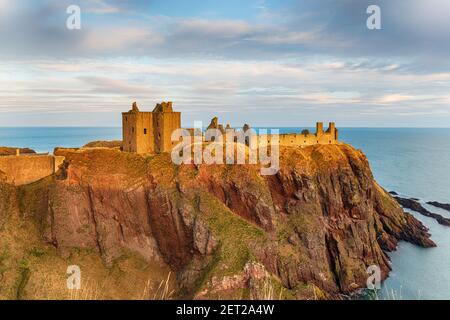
{"points": [[314, 227]]}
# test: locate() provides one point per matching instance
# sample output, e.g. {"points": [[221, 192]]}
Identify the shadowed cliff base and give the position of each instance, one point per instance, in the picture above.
{"points": [[224, 231]]}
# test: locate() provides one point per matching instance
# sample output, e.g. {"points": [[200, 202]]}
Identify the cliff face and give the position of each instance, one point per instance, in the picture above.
{"points": [[313, 228]]}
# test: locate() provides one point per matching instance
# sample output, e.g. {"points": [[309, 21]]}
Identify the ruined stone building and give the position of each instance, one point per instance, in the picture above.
{"points": [[305, 138], [151, 132], [20, 169]]}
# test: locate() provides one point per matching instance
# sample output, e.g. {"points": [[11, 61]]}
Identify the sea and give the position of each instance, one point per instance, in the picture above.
{"points": [[414, 162]]}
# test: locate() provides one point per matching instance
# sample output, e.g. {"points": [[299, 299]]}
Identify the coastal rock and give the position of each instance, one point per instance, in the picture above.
{"points": [[315, 226], [444, 206], [254, 277], [413, 204]]}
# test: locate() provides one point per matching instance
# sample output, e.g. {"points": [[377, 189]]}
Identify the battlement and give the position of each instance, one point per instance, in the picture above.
{"points": [[163, 107]]}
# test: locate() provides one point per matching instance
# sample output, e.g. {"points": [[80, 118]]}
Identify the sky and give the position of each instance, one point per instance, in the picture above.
{"points": [[265, 62]]}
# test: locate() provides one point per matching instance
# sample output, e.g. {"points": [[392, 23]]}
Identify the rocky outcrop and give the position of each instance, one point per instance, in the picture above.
{"points": [[413, 204], [444, 206], [254, 276], [315, 226]]}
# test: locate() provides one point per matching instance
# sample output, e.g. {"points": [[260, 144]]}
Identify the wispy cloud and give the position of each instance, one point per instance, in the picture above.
{"points": [[394, 98], [5, 6], [133, 40], [102, 7]]}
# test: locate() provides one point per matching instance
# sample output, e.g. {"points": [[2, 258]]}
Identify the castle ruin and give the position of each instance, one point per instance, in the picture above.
{"points": [[151, 132], [305, 138], [21, 169]]}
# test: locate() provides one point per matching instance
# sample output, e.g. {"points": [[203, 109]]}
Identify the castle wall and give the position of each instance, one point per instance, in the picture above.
{"points": [[128, 133], [164, 124], [299, 139], [144, 133], [25, 169], [309, 139], [137, 132]]}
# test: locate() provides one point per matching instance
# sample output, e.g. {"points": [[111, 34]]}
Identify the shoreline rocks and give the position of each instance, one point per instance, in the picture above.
{"points": [[413, 204], [436, 204]]}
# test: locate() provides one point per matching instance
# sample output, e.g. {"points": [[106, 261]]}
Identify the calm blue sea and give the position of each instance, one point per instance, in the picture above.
{"points": [[413, 162]]}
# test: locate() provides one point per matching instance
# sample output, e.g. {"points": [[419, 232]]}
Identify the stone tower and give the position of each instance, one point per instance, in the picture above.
{"points": [[165, 121], [137, 131], [319, 129], [333, 131], [149, 132]]}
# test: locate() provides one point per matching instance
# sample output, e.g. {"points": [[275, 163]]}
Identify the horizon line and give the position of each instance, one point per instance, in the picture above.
{"points": [[262, 126]]}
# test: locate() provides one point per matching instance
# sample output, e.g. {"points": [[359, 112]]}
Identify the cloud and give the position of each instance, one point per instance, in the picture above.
{"points": [[415, 31], [133, 40], [102, 7], [113, 6], [332, 98], [257, 90], [285, 38], [314, 59], [221, 29], [394, 98], [101, 85], [5, 6]]}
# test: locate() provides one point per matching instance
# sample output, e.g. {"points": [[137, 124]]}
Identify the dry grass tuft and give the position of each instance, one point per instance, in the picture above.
{"points": [[162, 292], [267, 291]]}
